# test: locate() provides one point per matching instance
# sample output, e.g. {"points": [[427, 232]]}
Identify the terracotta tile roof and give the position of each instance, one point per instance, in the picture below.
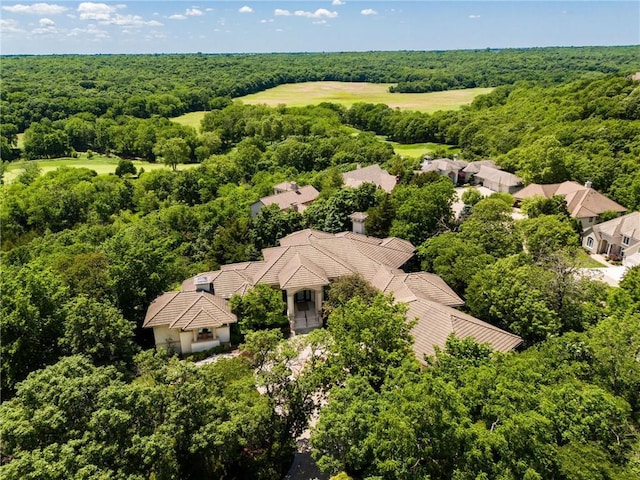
{"points": [[188, 311], [498, 176], [288, 199], [371, 174], [474, 167], [435, 322], [582, 201], [301, 272]]}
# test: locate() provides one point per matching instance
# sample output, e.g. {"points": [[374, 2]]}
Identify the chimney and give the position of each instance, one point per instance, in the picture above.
{"points": [[587, 184], [203, 284], [358, 219]]}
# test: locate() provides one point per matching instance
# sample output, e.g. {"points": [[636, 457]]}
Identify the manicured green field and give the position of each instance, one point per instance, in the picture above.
{"points": [[191, 119], [346, 93], [421, 149], [99, 163], [583, 260]]}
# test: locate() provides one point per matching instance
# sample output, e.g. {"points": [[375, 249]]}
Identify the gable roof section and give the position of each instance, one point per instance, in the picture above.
{"points": [[435, 322], [188, 311], [626, 225], [582, 201], [371, 174], [474, 167], [590, 203], [287, 199], [301, 272], [443, 165], [498, 176]]}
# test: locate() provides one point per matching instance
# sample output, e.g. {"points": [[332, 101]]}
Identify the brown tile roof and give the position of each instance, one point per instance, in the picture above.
{"points": [[301, 272], [371, 174], [188, 311], [302, 237], [435, 322], [582, 201], [288, 199]]}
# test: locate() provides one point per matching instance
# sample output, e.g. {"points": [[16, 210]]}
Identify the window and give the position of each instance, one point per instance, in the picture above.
{"points": [[205, 334], [589, 243], [625, 240]]}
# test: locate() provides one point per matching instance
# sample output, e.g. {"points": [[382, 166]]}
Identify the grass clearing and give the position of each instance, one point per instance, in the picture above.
{"points": [[421, 149], [348, 93], [191, 119], [99, 163]]}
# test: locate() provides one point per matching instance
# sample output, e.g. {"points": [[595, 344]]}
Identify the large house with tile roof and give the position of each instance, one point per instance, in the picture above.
{"points": [[303, 267], [583, 202]]}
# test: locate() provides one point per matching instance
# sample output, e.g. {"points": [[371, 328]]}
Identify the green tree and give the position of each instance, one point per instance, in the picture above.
{"points": [[98, 331], [259, 308], [173, 151], [125, 167], [471, 196], [345, 288], [371, 336], [547, 234]]}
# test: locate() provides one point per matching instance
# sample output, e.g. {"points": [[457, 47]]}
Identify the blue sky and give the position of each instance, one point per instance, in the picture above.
{"points": [[188, 26]]}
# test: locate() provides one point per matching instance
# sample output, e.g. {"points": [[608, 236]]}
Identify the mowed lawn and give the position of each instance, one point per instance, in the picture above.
{"points": [[347, 93], [99, 163]]}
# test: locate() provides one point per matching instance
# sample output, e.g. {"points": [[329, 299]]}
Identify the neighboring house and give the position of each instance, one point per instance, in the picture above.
{"points": [[472, 168], [620, 236], [583, 202], [444, 167], [371, 174], [305, 264], [496, 179], [296, 198]]}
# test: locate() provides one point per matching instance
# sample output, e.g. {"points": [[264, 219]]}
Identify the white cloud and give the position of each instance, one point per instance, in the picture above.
{"points": [[91, 30], [474, 16], [36, 9], [50, 30], [337, 2], [246, 9], [96, 11], [130, 21], [279, 30], [319, 22], [177, 16], [46, 22], [281, 13], [193, 12], [368, 11], [319, 13], [9, 26], [209, 9]]}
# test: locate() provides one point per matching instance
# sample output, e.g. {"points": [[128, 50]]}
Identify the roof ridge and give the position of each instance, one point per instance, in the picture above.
{"points": [[175, 294], [198, 297]]}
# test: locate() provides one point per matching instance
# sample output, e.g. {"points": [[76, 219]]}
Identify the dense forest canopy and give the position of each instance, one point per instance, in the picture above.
{"points": [[83, 255], [57, 87]]}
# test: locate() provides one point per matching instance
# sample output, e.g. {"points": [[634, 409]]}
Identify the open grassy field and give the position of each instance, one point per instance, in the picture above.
{"points": [[348, 93], [99, 163], [421, 149]]}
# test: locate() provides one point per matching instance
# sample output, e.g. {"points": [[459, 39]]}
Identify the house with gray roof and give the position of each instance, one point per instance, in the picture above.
{"points": [[302, 267], [617, 237], [445, 167], [371, 174], [496, 179]]}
